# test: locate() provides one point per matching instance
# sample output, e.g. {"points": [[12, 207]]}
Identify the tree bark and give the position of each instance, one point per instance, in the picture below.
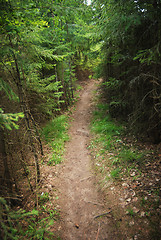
{"points": [[7, 180]]}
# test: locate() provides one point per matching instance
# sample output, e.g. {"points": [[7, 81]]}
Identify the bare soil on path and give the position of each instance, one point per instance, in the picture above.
{"points": [[84, 214]]}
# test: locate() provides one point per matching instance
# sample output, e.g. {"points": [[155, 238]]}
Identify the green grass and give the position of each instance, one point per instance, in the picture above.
{"points": [[129, 156], [102, 124], [130, 211], [55, 134], [108, 139], [21, 224], [43, 198], [104, 127], [115, 173], [118, 158]]}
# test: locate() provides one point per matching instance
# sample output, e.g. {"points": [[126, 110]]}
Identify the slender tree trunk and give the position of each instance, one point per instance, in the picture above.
{"points": [[7, 180], [56, 77], [31, 137], [37, 133], [22, 160], [71, 80], [33, 121], [64, 87]]}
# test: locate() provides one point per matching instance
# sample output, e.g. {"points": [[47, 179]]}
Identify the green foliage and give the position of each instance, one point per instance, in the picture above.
{"points": [[115, 173], [4, 86], [8, 120], [44, 197], [130, 60], [41, 44], [129, 156], [104, 127], [112, 84], [22, 224], [55, 133], [115, 154], [102, 123], [130, 211]]}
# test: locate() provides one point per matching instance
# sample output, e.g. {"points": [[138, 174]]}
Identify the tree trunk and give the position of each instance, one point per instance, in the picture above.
{"points": [[7, 180]]}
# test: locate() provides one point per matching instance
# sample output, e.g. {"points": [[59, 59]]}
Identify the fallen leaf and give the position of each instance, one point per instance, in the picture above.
{"points": [[77, 225]]}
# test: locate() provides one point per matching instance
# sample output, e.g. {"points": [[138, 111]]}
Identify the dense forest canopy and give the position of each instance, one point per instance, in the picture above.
{"points": [[44, 44]]}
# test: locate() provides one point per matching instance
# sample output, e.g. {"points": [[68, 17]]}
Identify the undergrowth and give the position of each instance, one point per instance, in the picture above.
{"points": [[114, 153], [119, 158], [55, 134], [36, 223], [21, 224]]}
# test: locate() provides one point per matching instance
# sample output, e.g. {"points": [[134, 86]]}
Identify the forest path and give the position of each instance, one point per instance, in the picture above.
{"points": [[80, 201]]}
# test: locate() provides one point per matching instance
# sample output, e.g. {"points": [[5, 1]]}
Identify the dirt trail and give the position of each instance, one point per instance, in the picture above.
{"points": [[79, 201]]}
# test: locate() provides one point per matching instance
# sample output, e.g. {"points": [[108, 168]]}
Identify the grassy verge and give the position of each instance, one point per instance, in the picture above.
{"points": [[129, 172], [22, 224], [114, 153], [55, 134]]}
